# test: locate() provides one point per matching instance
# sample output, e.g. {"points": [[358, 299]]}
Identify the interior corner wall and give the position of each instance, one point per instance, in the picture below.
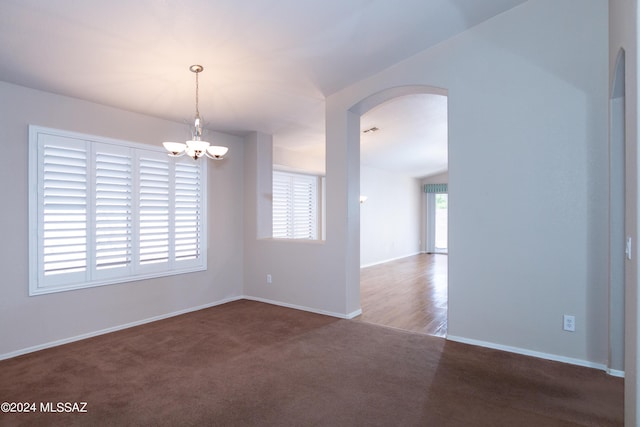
{"points": [[390, 217], [258, 191], [528, 126], [32, 322]]}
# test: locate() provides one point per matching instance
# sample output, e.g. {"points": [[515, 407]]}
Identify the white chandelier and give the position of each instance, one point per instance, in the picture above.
{"points": [[196, 147]]}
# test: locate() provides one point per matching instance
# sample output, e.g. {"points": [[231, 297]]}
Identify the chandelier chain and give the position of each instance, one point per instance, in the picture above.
{"points": [[197, 87]]}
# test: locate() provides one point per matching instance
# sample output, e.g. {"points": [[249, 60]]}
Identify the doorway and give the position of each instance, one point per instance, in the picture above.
{"points": [[436, 208], [400, 284], [440, 236]]}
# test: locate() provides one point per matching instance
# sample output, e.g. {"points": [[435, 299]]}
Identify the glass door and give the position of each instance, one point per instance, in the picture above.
{"points": [[441, 223]]}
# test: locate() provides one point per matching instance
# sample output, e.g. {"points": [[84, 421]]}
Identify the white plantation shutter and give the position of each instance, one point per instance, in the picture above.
{"points": [[154, 209], [63, 218], [113, 202], [295, 206], [304, 207], [188, 212], [282, 212], [105, 211]]}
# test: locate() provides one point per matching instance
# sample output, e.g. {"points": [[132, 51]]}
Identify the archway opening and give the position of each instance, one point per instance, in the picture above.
{"points": [[403, 144]]}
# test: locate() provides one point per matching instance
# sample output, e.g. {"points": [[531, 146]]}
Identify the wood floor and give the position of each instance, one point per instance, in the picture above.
{"points": [[410, 294]]}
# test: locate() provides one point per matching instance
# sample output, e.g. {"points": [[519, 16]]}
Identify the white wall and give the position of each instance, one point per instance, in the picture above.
{"points": [[527, 133], [26, 321], [390, 218], [623, 34]]}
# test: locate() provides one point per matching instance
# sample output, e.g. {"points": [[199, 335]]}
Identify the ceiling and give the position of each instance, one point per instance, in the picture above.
{"points": [[411, 135], [268, 64]]}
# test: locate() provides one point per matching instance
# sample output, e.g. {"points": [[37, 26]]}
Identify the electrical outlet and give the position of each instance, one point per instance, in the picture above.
{"points": [[269, 279], [569, 323]]}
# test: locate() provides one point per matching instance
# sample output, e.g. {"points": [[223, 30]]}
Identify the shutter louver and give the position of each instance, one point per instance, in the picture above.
{"points": [[154, 211], [304, 207], [281, 206], [113, 210], [64, 204], [188, 208]]}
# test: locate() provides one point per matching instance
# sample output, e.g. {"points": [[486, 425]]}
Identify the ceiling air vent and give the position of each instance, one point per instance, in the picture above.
{"points": [[373, 129]]}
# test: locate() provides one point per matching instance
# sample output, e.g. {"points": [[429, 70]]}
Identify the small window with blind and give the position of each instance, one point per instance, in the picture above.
{"points": [[103, 211], [296, 205]]}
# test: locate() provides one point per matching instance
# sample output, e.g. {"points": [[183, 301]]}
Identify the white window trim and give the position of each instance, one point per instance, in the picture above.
{"points": [[86, 280]]}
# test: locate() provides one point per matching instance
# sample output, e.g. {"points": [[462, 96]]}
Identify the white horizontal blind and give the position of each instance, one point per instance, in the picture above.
{"points": [[105, 211], [295, 205]]}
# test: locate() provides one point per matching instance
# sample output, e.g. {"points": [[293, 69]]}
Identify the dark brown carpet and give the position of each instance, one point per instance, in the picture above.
{"points": [[252, 364]]}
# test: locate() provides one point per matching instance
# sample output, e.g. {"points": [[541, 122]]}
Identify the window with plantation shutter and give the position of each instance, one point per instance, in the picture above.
{"points": [[105, 211], [295, 206]]}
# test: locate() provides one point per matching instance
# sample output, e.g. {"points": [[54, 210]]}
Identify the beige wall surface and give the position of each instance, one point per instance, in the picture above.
{"points": [[27, 322]]}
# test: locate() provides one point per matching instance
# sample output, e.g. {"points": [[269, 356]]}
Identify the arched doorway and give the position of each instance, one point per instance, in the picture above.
{"points": [[401, 285]]}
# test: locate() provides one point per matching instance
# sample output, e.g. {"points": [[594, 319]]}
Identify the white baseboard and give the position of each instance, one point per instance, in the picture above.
{"points": [[572, 361], [390, 259], [112, 329], [303, 308], [615, 372], [538, 354]]}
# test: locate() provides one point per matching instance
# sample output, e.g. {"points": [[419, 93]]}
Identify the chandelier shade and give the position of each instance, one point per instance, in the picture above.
{"points": [[196, 147]]}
